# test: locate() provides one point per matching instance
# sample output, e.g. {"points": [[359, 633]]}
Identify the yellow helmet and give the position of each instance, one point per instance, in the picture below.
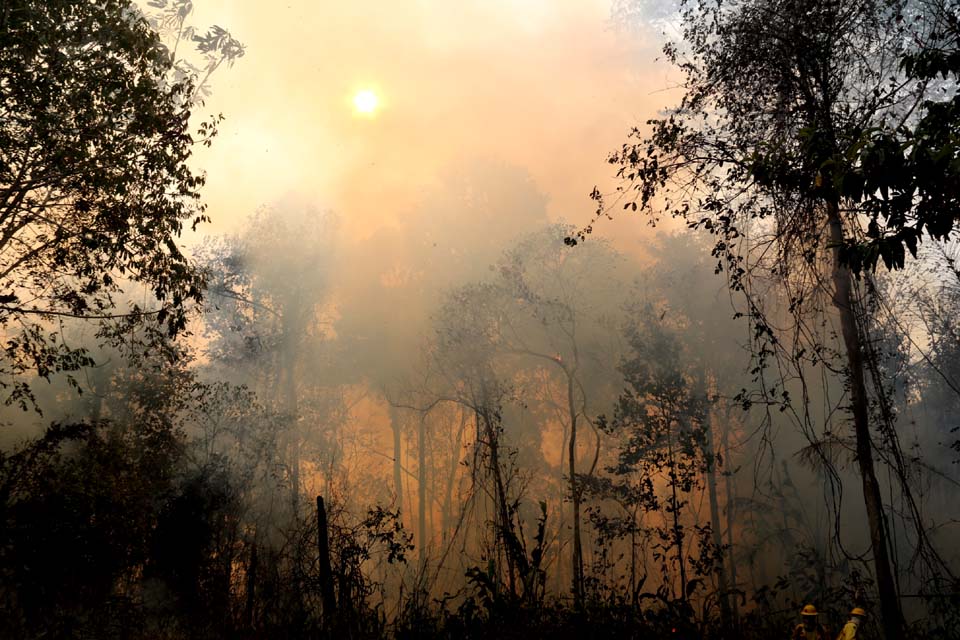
{"points": [[808, 610], [857, 611]]}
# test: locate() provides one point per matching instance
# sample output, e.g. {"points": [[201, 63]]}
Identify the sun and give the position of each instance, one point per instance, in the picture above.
{"points": [[366, 102]]}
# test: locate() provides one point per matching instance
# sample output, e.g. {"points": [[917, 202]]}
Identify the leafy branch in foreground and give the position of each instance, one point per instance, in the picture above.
{"points": [[95, 187]]}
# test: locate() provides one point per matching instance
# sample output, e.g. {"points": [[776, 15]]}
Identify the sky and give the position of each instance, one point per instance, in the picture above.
{"points": [[547, 85]]}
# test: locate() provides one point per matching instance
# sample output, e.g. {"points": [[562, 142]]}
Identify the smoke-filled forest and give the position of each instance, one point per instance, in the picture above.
{"points": [[501, 319]]}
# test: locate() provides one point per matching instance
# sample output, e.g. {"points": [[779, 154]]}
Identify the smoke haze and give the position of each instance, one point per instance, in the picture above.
{"points": [[547, 86], [408, 381]]}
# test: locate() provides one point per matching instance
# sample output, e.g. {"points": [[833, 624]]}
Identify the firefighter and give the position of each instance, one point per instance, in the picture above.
{"points": [[849, 631], [810, 629]]}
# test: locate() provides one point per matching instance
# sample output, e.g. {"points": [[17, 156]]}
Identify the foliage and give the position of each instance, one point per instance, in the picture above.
{"points": [[215, 47], [95, 180], [659, 422], [812, 142], [258, 311], [908, 172], [790, 104], [69, 534]]}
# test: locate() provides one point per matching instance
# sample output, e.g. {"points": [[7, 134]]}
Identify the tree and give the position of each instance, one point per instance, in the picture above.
{"points": [[540, 335], [95, 186], [805, 142], [662, 420], [400, 273], [695, 305], [556, 311], [80, 504], [269, 324], [463, 360], [905, 176], [938, 308]]}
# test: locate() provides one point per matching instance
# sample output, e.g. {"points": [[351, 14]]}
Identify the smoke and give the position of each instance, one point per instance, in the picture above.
{"points": [[548, 87], [393, 318]]}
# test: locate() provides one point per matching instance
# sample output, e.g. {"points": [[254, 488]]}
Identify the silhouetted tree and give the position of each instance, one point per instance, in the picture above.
{"points": [[267, 323], [792, 123], [95, 181], [661, 422]]}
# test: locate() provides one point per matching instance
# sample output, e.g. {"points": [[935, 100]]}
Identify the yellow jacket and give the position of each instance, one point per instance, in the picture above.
{"points": [[849, 631]]}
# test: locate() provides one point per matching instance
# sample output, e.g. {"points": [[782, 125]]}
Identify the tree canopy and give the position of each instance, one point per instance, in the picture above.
{"points": [[95, 185], [790, 104]]}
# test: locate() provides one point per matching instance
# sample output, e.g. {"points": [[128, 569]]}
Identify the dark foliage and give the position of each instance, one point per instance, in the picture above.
{"points": [[95, 185]]}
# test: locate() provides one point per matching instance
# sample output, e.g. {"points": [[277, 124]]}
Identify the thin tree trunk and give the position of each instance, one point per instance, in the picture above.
{"points": [[422, 487], [577, 555], [506, 526], [446, 521], [251, 585], [292, 410], [291, 406], [397, 452], [731, 503], [326, 574], [891, 614], [633, 561], [564, 441], [715, 522], [677, 531]]}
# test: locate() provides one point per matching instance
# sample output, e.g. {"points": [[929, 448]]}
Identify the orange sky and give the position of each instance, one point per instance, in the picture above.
{"points": [[548, 85]]}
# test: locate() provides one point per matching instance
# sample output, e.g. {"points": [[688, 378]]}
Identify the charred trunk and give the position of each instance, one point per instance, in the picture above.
{"points": [[731, 517], [422, 486]]}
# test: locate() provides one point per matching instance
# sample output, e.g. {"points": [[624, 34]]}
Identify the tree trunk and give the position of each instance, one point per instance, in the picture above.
{"points": [[326, 574], [446, 519], [731, 503], [251, 585], [715, 522], [577, 555], [397, 452], [677, 529], [634, 592], [891, 615], [291, 407], [422, 487], [492, 428]]}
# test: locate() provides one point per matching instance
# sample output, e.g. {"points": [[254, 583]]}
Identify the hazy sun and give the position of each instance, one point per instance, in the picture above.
{"points": [[365, 101]]}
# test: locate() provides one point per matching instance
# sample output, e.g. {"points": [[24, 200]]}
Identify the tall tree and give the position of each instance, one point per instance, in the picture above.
{"points": [[804, 136], [558, 309], [662, 422], [95, 185], [267, 324], [464, 366], [548, 315], [399, 274]]}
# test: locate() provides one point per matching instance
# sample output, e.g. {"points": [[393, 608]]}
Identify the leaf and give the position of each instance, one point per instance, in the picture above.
{"points": [[910, 239]]}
